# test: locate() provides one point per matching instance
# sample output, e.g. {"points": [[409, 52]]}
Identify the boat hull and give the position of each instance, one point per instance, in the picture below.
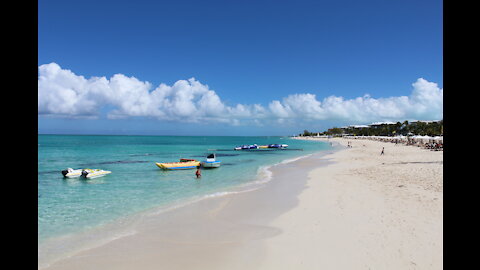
{"points": [[73, 174], [70, 173], [211, 164], [90, 174]]}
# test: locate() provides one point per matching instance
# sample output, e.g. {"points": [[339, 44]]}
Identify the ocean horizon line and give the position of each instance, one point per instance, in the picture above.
{"points": [[152, 135]]}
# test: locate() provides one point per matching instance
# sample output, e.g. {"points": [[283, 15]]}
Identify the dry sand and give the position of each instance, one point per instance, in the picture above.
{"points": [[349, 209], [365, 211]]}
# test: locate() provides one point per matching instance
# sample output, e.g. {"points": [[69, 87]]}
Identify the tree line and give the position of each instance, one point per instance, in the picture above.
{"points": [[405, 128]]}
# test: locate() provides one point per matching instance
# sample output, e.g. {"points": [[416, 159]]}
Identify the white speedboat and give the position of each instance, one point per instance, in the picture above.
{"points": [[211, 162], [70, 173], [94, 173]]}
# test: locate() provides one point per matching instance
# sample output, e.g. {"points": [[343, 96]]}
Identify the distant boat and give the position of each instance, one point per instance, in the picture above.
{"points": [[255, 146], [211, 162], [243, 147], [71, 173], [184, 163], [277, 145], [94, 173]]}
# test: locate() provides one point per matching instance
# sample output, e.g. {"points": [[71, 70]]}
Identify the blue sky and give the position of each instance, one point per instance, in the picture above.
{"points": [[246, 52]]}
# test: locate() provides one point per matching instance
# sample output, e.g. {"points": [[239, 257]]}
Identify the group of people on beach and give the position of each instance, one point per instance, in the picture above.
{"points": [[430, 145], [434, 146]]}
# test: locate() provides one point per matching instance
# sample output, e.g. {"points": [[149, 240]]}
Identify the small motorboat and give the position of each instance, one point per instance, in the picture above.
{"points": [[211, 162], [184, 163], [71, 173], [94, 173], [277, 145], [243, 147], [255, 146]]}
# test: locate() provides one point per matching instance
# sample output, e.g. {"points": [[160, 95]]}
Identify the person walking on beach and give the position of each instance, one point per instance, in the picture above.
{"points": [[382, 153], [198, 173]]}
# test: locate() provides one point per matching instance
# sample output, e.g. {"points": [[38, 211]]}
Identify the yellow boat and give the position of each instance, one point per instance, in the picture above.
{"points": [[182, 165]]}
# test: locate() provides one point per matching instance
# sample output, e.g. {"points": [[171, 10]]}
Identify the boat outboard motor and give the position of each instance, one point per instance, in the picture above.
{"points": [[64, 172]]}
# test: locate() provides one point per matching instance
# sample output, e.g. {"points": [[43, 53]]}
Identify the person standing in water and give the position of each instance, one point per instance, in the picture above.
{"points": [[198, 173]]}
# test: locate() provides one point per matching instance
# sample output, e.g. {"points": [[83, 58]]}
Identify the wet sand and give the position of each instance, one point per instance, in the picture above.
{"points": [[224, 232]]}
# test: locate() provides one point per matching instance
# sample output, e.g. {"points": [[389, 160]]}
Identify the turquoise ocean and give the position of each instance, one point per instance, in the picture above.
{"points": [[69, 206]]}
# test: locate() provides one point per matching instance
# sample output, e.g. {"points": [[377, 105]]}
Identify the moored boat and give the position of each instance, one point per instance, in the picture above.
{"points": [[94, 173], [277, 145], [71, 173], [183, 164], [211, 162], [255, 146], [246, 146]]}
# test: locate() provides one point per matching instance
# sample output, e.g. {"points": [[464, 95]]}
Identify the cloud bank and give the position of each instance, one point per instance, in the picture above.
{"points": [[62, 93]]}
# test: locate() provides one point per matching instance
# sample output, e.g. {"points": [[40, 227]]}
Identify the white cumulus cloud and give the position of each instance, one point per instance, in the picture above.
{"points": [[62, 93]]}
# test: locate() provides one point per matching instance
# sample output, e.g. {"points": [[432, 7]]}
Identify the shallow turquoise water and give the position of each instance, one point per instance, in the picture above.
{"points": [[66, 206]]}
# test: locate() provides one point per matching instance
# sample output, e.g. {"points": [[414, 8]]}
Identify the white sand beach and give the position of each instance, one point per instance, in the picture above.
{"points": [[346, 209], [365, 211]]}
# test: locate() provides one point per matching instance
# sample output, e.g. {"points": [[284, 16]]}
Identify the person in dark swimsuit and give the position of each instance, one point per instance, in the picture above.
{"points": [[198, 173]]}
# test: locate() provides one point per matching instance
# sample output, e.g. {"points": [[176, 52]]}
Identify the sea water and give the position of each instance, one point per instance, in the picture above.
{"points": [[69, 206]]}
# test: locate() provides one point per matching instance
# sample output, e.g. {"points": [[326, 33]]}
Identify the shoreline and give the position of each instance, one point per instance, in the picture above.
{"points": [[347, 209], [129, 225]]}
